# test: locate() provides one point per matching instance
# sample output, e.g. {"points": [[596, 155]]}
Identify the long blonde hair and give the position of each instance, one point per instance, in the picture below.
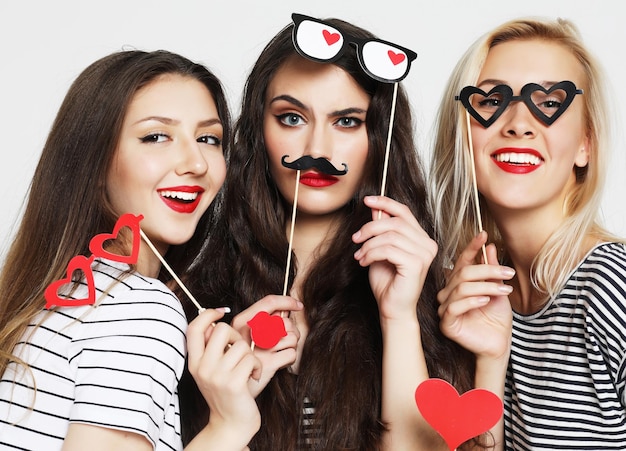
{"points": [[451, 185]]}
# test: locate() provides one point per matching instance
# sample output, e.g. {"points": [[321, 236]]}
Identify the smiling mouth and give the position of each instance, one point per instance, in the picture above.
{"points": [[182, 200], [517, 158], [180, 196]]}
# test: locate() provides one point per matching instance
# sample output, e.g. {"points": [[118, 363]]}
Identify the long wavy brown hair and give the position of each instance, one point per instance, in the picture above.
{"points": [[67, 203], [244, 260]]}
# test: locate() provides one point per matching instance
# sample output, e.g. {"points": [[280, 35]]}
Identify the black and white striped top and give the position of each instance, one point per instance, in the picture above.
{"points": [[116, 366], [565, 387]]}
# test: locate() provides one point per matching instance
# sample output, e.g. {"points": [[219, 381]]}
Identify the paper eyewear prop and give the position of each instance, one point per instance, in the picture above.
{"points": [[457, 418], [97, 248], [382, 60], [547, 104]]}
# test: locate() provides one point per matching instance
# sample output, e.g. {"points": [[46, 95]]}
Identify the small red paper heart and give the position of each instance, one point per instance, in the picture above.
{"points": [[79, 262], [96, 245], [457, 418], [266, 330], [396, 58], [330, 38]]}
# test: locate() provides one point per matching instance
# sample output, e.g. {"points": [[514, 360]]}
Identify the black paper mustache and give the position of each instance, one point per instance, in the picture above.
{"points": [[321, 164]]}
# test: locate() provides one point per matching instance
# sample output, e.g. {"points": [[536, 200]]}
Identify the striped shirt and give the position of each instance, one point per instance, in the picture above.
{"points": [[565, 387], [116, 366]]}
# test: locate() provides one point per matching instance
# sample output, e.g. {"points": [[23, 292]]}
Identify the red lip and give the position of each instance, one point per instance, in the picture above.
{"points": [[181, 205], [513, 162], [317, 180]]}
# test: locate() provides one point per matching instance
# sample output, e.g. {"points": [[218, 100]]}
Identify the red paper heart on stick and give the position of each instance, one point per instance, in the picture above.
{"points": [[396, 58], [96, 245], [457, 418], [79, 262], [266, 330]]}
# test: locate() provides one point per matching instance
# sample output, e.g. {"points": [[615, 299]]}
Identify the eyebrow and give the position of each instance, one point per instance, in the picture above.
{"points": [[297, 103], [290, 99], [170, 121], [494, 81]]}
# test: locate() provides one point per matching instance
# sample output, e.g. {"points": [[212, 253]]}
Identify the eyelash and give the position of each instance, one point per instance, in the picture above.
{"points": [[355, 122], [150, 138], [282, 118], [153, 137]]}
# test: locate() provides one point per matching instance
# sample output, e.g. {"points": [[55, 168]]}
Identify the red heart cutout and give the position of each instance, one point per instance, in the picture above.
{"points": [[396, 58], [266, 330], [457, 418], [330, 38], [96, 245], [79, 262]]}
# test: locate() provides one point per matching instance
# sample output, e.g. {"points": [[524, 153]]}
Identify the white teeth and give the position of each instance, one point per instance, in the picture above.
{"points": [[180, 195], [518, 158]]}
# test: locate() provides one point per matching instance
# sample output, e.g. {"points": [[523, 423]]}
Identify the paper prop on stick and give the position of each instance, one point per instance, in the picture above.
{"points": [[457, 418], [82, 263], [77, 263], [384, 61], [546, 104], [266, 330], [97, 247]]}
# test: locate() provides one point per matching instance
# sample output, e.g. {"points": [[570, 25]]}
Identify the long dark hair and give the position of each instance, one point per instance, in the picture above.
{"points": [[67, 204], [244, 260]]}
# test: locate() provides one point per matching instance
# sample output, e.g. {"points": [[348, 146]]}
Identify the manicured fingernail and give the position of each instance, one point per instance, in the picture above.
{"points": [[507, 272], [505, 289], [223, 309]]}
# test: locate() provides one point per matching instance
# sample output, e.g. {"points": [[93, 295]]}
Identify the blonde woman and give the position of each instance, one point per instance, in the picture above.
{"points": [[533, 97]]}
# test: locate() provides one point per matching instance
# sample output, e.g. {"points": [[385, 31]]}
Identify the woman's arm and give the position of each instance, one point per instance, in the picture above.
{"points": [[95, 438], [476, 313], [398, 253]]}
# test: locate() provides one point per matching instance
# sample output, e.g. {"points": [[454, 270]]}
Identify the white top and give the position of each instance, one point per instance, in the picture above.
{"points": [[116, 366]]}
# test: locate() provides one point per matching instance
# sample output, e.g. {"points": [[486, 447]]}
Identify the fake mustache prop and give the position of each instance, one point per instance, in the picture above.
{"points": [[307, 162]]}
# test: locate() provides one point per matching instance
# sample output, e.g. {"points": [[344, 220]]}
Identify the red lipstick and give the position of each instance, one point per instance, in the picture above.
{"points": [[516, 160], [317, 180], [181, 199]]}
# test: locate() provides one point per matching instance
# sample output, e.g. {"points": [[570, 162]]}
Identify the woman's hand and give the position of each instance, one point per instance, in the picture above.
{"points": [[398, 252], [283, 354], [222, 363], [474, 305]]}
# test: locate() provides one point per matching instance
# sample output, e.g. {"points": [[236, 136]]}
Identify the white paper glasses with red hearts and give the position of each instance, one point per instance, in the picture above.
{"points": [[319, 41]]}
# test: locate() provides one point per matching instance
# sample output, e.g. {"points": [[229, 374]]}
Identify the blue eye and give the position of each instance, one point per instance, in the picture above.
{"points": [[290, 119], [349, 122]]}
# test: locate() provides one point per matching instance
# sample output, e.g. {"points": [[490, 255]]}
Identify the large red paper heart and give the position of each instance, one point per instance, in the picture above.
{"points": [[266, 330], [396, 58], [457, 418], [96, 245], [330, 38], [79, 262]]}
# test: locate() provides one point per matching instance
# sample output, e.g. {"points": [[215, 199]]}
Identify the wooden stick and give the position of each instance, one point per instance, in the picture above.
{"points": [[388, 146], [293, 224], [474, 184], [171, 271]]}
